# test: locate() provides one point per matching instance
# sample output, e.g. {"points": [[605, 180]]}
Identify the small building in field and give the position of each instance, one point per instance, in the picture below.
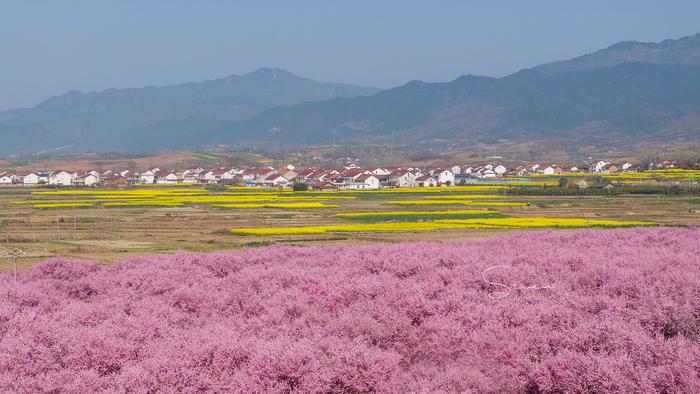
{"points": [[487, 174], [611, 168], [601, 185], [323, 185]]}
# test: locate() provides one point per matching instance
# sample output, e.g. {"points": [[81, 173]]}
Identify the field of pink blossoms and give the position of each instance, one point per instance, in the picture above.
{"points": [[604, 311]]}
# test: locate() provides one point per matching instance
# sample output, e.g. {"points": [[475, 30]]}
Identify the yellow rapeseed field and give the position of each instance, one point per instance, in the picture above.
{"points": [[459, 202], [360, 215], [136, 204], [298, 205], [440, 225]]}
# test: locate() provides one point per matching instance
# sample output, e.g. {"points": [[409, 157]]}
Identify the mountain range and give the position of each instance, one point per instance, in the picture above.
{"points": [[628, 93], [122, 118]]}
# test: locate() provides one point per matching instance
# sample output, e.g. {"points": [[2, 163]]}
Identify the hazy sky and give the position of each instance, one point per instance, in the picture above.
{"points": [[48, 47]]}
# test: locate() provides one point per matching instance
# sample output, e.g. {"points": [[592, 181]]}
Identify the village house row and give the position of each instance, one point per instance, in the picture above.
{"points": [[348, 177]]}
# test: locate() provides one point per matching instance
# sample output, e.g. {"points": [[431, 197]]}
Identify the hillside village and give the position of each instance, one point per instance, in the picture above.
{"points": [[350, 176]]}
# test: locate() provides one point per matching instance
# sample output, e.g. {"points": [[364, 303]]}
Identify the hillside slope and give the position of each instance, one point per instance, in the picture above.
{"points": [[630, 98], [96, 120]]}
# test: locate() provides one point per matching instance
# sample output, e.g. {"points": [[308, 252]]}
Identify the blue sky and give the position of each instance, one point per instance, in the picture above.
{"points": [[48, 47]]}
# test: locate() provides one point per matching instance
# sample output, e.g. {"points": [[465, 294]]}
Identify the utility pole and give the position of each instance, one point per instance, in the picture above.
{"points": [[14, 254]]}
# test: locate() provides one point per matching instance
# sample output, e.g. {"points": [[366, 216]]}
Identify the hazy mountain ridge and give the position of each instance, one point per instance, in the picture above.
{"points": [[626, 91], [95, 120], [684, 51], [585, 96]]}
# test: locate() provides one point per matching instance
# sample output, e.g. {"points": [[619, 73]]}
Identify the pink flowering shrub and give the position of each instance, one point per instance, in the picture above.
{"points": [[607, 311]]}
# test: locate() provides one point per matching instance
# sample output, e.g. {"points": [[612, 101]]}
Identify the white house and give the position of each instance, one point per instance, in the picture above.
{"points": [[365, 181], [5, 179], [30, 179], [426, 181], [500, 170], [488, 174], [148, 176], [229, 174], [401, 178], [193, 175], [290, 175], [164, 177], [598, 166], [276, 180], [379, 171], [456, 169], [549, 170], [443, 176], [215, 175], [89, 179], [61, 178]]}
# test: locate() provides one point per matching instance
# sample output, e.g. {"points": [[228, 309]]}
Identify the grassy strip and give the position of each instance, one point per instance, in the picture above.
{"points": [[468, 196], [67, 205], [299, 205], [460, 202], [409, 216]]}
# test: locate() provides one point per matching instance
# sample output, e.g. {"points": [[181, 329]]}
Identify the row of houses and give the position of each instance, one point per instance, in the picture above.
{"points": [[349, 176], [55, 178]]}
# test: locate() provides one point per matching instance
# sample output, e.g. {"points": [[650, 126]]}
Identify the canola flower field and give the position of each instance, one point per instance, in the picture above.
{"points": [[178, 197], [485, 223], [461, 202], [483, 208], [418, 215], [671, 174]]}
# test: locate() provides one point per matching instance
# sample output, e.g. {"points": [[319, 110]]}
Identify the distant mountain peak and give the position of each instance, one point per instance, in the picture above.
{"points": [[683, 51], [271, 73]]}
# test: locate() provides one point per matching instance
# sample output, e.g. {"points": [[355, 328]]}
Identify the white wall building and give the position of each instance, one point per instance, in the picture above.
{"points": [[445, 177], [5, 179], [147, 177], [61, 178], [30, 179]]}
